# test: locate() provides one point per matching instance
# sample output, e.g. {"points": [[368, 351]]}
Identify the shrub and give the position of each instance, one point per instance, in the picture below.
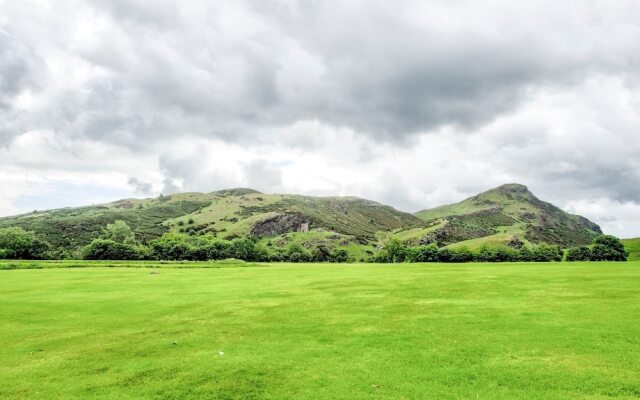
{"points": [[107, 249], [461, 255], [608, 248], [445, 255], [119, 231], [497, 253], [427, 253], [339, 256], [297, 253], [582, 253], [546, 253], [17, 243], [396, 251], [246, 249], [171, 247], [321, 253]]}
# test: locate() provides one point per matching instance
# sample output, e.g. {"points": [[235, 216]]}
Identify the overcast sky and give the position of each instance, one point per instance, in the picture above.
{"points": [[410, 103]]}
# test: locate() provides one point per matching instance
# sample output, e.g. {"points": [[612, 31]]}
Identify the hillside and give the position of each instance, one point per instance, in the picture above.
{"points": [[633, 247], [276, 219], [508, 214]]}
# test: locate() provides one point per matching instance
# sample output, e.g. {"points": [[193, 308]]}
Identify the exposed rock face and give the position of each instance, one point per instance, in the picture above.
{"points": [[280, 224]]}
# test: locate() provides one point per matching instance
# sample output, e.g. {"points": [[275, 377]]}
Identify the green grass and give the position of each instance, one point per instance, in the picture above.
{"points": [[633, 247], [358, 331]]}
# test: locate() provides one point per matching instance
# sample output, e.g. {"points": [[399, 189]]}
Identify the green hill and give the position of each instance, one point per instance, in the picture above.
{"points": [[346, 222], [508, 214], [633, 247]]}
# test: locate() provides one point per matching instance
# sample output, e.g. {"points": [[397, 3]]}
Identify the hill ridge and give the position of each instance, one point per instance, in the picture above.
{"points": [[508, 214]]}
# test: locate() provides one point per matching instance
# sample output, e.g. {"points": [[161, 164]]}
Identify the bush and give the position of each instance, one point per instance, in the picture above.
{"points": [[297, 253], [461, 255], [428, 253], [171, 247], [497, 254], [119, 232], [107, 249], [16, 243], [246, 249], [445, 255], [339, 256], [396, 250], [582, 253], [608, 248], [321, 254], [546, 253]]}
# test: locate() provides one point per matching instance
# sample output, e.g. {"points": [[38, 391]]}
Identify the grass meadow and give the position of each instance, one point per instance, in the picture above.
{"points": [[320, 331]]}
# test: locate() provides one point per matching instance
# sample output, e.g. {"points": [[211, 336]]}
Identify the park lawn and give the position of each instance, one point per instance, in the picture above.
{"points": [[314, 331]]}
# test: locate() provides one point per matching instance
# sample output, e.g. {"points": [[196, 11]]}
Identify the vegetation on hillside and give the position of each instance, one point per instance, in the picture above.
{"points": [[633, 247], [118, 242], [508, 212], [506, 218], [347, 223]]}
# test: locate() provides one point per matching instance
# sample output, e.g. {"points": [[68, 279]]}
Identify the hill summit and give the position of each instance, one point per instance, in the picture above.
{"points": [[509, 213]]}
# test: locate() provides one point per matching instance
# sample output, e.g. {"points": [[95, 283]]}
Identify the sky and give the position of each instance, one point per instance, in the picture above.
{"points": [[410, 103]]}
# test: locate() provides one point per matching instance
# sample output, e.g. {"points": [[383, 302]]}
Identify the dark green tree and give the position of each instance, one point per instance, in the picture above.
{"points": [[581, 253], [107, 249], [608, 248], [16, 243]]}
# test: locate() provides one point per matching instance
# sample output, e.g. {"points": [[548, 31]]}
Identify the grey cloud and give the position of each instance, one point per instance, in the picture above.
{"points": [[261, 175], [20, 70], [142, 188], [169, 186], [163, 13], [188, 172], [369, 67], [17, 68]]}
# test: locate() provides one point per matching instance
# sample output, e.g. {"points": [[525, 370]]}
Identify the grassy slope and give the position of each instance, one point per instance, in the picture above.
{"points": [[510, 331], [351, 223], [633, 247], [72, 227], [343, 222], [234, 215], [508, 211]]}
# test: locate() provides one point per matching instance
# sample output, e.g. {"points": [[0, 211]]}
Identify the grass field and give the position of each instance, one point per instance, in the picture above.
{"points": [[474, 331], [633, 247]]}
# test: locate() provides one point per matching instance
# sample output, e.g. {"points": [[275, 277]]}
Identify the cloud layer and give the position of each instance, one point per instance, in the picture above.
{"points": [[413, 104]]}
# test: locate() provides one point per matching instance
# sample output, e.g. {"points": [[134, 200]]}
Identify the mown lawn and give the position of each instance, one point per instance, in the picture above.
{"points": [[474, 331]]}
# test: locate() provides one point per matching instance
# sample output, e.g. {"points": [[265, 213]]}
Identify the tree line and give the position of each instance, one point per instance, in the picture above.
{"points": [[118, 242]]}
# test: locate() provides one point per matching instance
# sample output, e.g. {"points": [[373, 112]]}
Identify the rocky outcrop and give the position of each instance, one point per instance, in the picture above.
{"points": [[280, 224]]}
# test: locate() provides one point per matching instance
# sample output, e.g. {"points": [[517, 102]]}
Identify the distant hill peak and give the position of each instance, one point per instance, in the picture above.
{"points": [[505, 213], [236, 192], [512, 188], [511, 191]]}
